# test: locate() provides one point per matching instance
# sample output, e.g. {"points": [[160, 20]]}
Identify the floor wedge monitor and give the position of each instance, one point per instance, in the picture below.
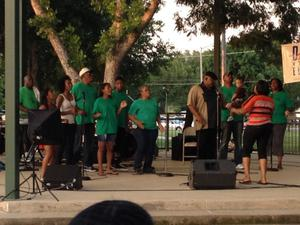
{"points": [[212, 174], [63, 177]]}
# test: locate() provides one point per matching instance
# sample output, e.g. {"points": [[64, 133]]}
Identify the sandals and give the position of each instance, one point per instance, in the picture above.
{"points": [[279, 167], [262, 183], [112, 173], [101, 174], [245, 181]]}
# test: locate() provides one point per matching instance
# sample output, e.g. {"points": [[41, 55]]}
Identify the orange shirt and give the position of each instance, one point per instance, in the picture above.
{"points": [[260, 108]]}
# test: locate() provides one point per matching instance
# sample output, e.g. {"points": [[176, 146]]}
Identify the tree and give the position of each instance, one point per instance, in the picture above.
{"points": [[182, 70], [1, 26], [2, 89], [46, 19], [255, 17], [73, 22], [145, 58], [176, 76], [128, 21]]}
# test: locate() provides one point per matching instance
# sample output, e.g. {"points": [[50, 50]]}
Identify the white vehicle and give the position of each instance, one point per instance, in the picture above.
{"points": [[176, 124]]}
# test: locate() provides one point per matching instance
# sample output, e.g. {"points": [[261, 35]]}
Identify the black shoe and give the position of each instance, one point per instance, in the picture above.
{"points": [[149, 170], [119, 167], [138, 171], [89, 169]]}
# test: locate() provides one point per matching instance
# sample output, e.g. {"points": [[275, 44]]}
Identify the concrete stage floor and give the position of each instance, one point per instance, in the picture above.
{"points": [[168, 199]]}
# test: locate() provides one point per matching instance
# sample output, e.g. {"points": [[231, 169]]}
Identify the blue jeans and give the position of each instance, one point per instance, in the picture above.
{"points": [[146, 144], [236, 128]]}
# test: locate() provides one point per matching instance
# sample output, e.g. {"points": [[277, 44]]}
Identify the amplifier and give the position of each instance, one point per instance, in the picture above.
{"points": [[212, 174], [63, 177]]}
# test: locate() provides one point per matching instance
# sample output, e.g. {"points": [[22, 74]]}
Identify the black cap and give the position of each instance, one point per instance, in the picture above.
{"points": [[211, 74]]}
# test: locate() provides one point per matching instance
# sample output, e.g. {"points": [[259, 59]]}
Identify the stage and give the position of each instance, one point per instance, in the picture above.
{"points": [[169, 199]]}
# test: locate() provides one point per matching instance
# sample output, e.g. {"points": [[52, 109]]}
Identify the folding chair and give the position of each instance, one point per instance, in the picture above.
{"points": [[188, 131]]}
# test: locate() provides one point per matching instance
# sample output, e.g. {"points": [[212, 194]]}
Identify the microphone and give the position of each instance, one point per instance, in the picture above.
{"points": [[165, 89]]}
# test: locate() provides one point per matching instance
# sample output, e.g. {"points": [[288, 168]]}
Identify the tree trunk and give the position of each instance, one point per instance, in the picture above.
{"points": [[32, 61], [56, 43], [217, 59], [112, 67], [1, 26], [218, 12], [115, 57], [34, 64]]}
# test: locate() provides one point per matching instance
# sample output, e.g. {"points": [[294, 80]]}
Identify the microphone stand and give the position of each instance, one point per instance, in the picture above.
{"points": [[218, 122], [271, 156], [165, 173], [83, 143]]}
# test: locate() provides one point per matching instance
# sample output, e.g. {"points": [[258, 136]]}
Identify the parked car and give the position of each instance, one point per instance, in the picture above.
{"points": [[176, 124], [2, 114]]}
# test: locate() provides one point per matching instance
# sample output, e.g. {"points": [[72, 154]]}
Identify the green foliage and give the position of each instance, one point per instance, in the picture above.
{"points": [[104, 5], [145, 57], [182, 71], [105, 44], [253, 16], [262, 21], [177, 76], [72, 43], [70, 39], [79, 25], [128, 18], [42, 24]]}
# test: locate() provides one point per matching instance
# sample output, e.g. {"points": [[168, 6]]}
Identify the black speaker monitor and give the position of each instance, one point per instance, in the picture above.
{"points": [[44, 126], [63, 177], [212, 174]]}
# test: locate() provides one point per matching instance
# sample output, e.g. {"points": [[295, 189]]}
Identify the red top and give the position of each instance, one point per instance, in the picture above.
{"points": [[260, 108]]}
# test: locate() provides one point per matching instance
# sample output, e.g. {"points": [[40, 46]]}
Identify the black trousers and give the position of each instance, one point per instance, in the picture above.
{"points": [[121, 145], [24, 140], [206, 143], [259, 134], [66, 148], [83, 143]]}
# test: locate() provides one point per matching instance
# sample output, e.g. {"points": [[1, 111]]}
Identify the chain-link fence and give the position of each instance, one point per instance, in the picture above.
{"points": [[174, 123]]}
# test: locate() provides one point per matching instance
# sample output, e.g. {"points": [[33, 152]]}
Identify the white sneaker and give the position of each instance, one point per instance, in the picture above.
{"points": [[239, 167], [89, 169], [230, 118]]}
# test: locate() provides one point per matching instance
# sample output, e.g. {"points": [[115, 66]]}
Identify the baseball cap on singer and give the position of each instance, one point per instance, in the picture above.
{"points": [[211, 75], [83, 71]]}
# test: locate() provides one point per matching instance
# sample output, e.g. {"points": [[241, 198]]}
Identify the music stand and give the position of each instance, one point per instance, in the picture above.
{"points": [[44, 127], [28, 158]]}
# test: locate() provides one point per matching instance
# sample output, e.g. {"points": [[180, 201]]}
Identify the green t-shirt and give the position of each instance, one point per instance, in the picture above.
{"points": [[145, 110], [85, 96], [228, 93], [27, 100], [107, 123], [118, 98], [282, 103]]}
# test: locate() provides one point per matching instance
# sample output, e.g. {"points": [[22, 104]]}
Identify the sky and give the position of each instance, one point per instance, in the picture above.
{"points": [[180, 40]]}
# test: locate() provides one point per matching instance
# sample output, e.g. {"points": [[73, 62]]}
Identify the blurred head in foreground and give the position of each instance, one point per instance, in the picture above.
{"points": [[113, 213]]}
